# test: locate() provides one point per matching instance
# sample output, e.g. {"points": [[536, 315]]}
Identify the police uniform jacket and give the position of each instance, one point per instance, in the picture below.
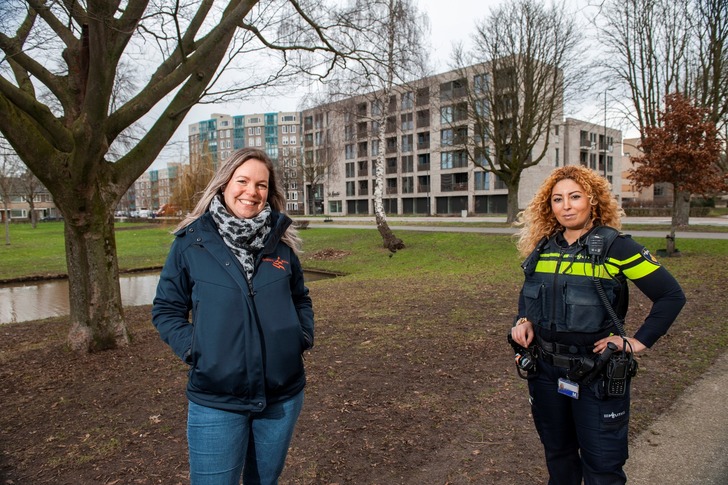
{"points": [[243, 339], [560, 298]]}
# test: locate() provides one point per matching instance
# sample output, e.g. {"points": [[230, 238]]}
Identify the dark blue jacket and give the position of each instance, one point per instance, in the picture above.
{"points": [[243, 339]]}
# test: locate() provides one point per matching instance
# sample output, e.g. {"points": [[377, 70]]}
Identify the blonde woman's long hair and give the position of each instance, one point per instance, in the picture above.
{"points": [[276, 198], [538, 220]]}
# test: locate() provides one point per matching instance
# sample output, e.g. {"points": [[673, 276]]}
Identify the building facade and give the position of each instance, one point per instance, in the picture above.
{"points": [[427, 136], [279, 134]]}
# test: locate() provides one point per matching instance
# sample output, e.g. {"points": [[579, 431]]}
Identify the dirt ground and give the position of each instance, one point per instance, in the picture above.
{"points": [[410, 384]]}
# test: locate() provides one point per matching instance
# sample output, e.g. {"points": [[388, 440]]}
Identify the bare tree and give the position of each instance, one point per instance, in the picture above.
{"points": [[659, 47], [526, 56], [29, 187], [9, 171], [64, 109], [191, 181], [397, 55]]}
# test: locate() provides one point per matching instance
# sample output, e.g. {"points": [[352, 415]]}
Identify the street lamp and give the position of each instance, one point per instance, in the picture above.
{"points": [[604, 140]]}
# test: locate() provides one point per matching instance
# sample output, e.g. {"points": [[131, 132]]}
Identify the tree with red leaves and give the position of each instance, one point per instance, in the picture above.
{"points": [[683, 150]]}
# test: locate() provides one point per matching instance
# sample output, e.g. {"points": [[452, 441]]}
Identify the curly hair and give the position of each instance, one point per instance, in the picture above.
{"points": [[276, 197], [538, 220]]}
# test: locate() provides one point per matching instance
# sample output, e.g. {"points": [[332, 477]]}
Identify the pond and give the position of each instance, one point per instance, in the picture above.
{"points": [[45, 299]]}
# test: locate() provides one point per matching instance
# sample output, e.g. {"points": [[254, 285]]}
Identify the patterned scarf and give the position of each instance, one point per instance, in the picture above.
{"points": [[244, 237]]}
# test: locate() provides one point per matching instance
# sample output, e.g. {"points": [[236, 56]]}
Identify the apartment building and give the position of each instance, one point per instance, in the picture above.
{"points": [[657, 195], [427, 168], [277, 133], [595, 146], [151, 191]]}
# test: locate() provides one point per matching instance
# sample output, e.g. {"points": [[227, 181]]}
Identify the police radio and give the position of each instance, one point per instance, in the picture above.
{"points": [[619, 369]]}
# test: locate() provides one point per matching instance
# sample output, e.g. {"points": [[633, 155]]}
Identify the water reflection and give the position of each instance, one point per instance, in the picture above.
{"points": [[34, 301]]}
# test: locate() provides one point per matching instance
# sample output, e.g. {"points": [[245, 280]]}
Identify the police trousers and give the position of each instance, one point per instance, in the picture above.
{"points": [[584, 438]]}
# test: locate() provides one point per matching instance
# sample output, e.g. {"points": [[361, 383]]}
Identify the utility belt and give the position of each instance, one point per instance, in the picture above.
{"points": [[610, 370], [562, 355]]}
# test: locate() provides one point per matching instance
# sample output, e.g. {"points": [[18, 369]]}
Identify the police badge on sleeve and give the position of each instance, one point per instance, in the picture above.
{"points": [[649, 257]]}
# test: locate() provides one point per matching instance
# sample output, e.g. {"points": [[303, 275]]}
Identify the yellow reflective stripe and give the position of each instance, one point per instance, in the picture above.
{"points": [[626, 261], [640, 270], [577, 269]]}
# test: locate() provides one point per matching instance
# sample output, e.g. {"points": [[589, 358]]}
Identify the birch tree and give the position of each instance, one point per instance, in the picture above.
{"points": [[396, 55]]}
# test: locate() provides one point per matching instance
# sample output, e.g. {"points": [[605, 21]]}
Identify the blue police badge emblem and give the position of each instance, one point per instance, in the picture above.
{"points": [[649, 257]]}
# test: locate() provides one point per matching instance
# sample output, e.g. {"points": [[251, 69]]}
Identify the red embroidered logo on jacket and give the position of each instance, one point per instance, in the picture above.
{"points": [[277, 263]]}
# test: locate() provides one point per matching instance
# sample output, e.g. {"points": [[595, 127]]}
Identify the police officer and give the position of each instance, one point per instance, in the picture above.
{"points": [[579, 404]]}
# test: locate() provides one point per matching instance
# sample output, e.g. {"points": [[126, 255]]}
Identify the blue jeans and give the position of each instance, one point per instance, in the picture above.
{"points": [[224, 444]]}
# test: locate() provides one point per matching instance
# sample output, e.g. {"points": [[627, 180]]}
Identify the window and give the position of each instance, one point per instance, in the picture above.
{"points": [[363, 187], [292, 140], [456, 159], [284, 129], [556, 157], [361, 109], [391, 186], [423, 118], [408, 185], [335, 206], [481, 83], [390, 165], [407, 163], [407, 143], [350, 170], [450, 182], [446, 114], [362, 149], [284, 140], [350, 188], [407, 122], [482, 180], [423, 96], [349, 151], [423, 161], [292, 195], [453, 89], [391, 145], [407, 100], [423, 140], [446, 137], [391, 124], [375, 148]]}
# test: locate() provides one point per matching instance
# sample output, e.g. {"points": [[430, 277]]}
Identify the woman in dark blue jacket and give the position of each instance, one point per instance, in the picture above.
{"points": [[570, 313], [231, 303]]}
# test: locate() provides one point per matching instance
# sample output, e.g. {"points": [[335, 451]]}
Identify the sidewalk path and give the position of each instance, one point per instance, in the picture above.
{"points": [[399, 223], [687, 445]]}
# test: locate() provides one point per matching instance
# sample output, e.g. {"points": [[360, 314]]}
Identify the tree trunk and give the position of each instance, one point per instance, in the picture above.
{"points": [[97, 315], [6, 219], [680, 218], [681, 208], [389, 240], [512, 203]]}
